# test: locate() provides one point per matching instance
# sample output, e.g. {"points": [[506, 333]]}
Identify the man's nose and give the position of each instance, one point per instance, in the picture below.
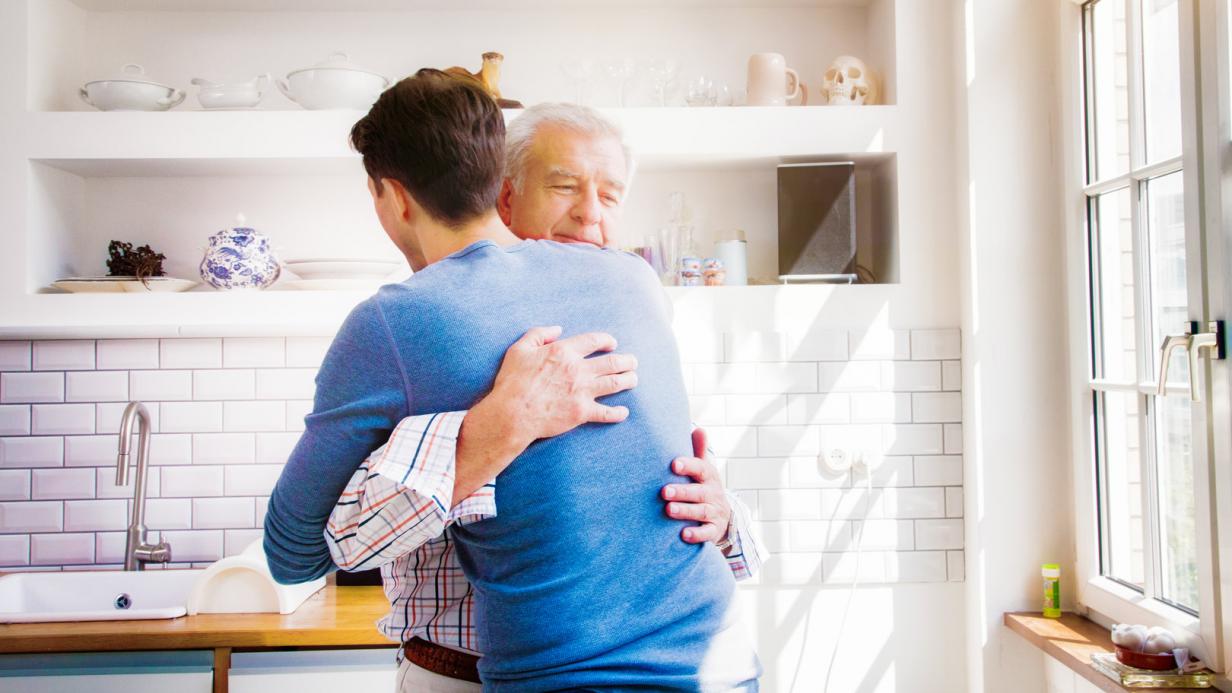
{"points": [[588, 211]]}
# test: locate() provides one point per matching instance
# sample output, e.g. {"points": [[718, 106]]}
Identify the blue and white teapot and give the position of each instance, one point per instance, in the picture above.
{"points": [[239, 258]]}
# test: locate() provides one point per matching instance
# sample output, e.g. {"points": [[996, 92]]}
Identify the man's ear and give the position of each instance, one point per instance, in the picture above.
{"points": [[404, 205], [504, 202]]}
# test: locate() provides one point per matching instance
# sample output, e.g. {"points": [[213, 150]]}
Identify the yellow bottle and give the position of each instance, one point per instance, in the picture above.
{"points": [[1052, 590]]}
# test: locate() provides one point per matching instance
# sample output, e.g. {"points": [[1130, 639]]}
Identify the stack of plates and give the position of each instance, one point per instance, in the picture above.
{"points": [[82, 285], [334, 274]]}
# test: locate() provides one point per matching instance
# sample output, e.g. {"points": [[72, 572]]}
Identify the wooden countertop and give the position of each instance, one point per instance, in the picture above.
{"points": [[333, 617], [1071, 639]]}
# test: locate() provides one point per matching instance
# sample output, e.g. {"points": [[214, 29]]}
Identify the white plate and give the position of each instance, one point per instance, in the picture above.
{"points": [[365, 284], [342, 269], [102, 285]]}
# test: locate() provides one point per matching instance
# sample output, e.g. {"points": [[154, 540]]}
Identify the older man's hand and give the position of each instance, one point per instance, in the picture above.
{"points": [[703, 501]]}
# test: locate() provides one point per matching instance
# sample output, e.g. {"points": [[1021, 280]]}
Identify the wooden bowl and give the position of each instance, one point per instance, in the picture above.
{"points": [[1142, 660]]}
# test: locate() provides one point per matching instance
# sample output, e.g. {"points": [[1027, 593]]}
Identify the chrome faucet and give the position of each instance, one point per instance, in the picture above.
{"points": [[136, 551]]}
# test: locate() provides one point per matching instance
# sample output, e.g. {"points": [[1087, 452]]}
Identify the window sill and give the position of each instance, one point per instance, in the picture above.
{"points": [[1071, 640]]}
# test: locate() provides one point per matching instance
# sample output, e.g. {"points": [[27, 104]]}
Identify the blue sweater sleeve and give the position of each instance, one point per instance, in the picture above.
{"points": [[361, 395]]}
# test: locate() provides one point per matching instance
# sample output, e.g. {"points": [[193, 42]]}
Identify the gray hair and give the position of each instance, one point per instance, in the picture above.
{"points": [[520, 135]]}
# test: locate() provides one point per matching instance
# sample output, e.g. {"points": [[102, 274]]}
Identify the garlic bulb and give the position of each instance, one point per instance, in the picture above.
{"points": [[1159, 640]]}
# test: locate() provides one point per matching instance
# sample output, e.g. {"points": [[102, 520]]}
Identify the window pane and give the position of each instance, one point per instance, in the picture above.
{"points": [[1108, 89], [1120, 493], [1115, 287], [1161, 61], [1165, 214], [1178, 540]]}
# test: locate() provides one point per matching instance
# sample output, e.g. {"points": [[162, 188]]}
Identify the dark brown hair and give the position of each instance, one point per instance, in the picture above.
{"points": [[442, 138]]}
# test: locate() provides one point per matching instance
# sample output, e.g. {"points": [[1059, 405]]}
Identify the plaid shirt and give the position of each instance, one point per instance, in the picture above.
{"points": [[394, 513]]}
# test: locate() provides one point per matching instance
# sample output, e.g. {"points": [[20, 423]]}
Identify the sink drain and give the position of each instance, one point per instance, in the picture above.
{"points": [[123, 601]]}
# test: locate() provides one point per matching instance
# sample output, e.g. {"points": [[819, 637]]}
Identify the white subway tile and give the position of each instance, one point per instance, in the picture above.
{"points": [[953, 501], [307, 352], [707, 410], [286, 383], [880, 345], [14, 550], [14, 484], [14, 419], [223, 448], [190, 353], [109, 547], [275, 448], [105, 483], [93, 451], [732, 441], [170, 448], [849, 504], [811, 472], [790, 504], [792, 569], [956, 566], [863, 437], [169, 513], [936, 407], [787, 441], [195, 545], [908, 503], [297, 409], [785, 377], [828, 408], [189, 482], [108, 414], [223, 383], [95, 515], [698, 345], [757, 473], [935, 345], [917, 566], [939, 534], [757, 410], [880, 407], [96, 386], [726, 378], [222, 513], [773, 536], [15, 356], [148, 386], [27, 451], [953, 439], [261, 505], [938, 470], [951, 375], [64, 355], [62, 419], [863, 567], [61, 484], [817, 345], [819, 535], [127, 354], [254, 416], [254, 352], [911, 439], [888, 471], [252, 480], [748, 347], [912, 376], [31, 516], [236, 540], [891, 535], [849, 376], [61, 549], [191, 417], [16, 388]]}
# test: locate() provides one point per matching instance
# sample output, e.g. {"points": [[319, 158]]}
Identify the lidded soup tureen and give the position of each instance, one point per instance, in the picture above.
{"points": [[239, 258]]}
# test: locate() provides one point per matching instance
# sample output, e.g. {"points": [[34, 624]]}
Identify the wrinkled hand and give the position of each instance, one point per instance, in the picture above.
{"points": [[703, 501], [549, 386]]}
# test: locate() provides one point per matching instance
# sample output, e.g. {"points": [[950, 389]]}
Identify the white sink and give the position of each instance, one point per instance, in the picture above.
{"points": [[95, 595]]}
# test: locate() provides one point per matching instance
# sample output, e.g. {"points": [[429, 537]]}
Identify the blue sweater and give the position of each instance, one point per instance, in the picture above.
{"points": [[581, 580]]}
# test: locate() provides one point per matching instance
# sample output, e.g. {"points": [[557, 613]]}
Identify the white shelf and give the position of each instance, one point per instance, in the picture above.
{"points": [[197, 143], [418, 5]]}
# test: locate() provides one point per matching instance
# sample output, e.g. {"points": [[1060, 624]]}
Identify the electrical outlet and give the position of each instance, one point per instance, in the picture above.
{"points": [[836, 460]]}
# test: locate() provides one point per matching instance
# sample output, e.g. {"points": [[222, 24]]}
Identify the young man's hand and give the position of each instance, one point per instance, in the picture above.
{"points": [[703, 500]]}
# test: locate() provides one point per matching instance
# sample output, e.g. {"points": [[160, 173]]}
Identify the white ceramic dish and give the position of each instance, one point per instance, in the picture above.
{"points": [[368, 284], [333, 83], [213, 96], [112, 285], [342, 269], [130, 92]]}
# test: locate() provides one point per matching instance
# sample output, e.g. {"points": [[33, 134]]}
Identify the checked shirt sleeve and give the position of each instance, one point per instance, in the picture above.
{"points": [[399, 498], [746, 554]]}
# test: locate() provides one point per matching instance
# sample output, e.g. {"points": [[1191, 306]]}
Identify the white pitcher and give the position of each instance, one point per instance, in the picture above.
{"points": [[771, 82]]}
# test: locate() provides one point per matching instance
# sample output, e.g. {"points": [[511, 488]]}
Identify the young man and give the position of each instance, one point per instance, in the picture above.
{"points": [[581, 580]]}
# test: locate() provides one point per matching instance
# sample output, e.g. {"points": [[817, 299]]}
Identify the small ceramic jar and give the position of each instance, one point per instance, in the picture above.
{"points": [[239, 258]]}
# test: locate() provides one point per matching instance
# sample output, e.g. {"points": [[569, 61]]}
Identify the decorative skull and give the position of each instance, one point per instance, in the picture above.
{"points": [[848, 82]]}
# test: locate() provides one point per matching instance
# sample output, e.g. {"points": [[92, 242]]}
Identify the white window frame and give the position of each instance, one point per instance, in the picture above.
{"points": [[1206, 146]]}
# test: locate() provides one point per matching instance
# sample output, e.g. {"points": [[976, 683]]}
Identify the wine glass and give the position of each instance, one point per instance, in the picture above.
{"points": [[661, 74], [579, 73], [619, 70]]}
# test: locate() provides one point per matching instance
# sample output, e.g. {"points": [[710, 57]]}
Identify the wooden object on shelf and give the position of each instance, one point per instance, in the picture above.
{"points": [[489, 76]]}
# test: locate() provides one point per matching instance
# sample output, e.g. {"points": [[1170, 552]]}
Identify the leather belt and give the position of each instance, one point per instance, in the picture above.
{"points": [[442, 660]]}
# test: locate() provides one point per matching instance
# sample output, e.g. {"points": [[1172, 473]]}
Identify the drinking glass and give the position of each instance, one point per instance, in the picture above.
{"points": [[661, 74], [579, 73], [619, 70]]}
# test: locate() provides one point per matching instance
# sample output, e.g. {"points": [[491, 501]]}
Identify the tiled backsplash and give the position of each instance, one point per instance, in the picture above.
{"points": [[227, 411]]}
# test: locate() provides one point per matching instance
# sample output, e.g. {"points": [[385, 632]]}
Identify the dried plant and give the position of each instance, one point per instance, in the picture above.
{"points": [[141, 263]]}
